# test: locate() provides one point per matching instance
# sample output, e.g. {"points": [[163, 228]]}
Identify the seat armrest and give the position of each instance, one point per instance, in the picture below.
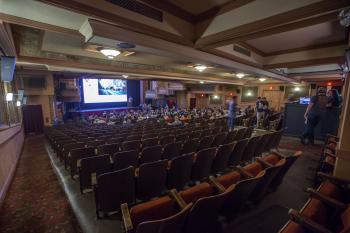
{"points": [[243, 172], [127, 223], [327, 154], [176, 197], [327, 200], [333, 179], [333, 137], [307, 223], [216, 184], [264, 163]]}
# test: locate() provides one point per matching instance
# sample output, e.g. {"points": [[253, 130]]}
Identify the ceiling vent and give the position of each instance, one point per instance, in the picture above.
{"points": [[139, 8], [241, 50]]}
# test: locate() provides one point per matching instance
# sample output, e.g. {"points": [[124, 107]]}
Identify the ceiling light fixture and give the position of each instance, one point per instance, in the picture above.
{"points": [[240, 75], [297, 89], [110, 53], [125, 76], [200, 68], [9, 96], [262, 79], [201, 82]]}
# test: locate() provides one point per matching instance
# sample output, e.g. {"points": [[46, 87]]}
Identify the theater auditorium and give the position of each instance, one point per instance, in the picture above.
{"points": [[174, 116]]}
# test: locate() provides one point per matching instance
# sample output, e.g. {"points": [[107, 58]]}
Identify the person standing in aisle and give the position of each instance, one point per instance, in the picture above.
{"points": [[259, 111], [232, 113]]}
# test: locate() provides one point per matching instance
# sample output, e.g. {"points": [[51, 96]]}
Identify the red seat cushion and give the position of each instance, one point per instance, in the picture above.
{"points": [[228, 179], [272, 159], [196, 192], [292, 227], [152, 210], [316, 211], [254, 168], [329, 189]]}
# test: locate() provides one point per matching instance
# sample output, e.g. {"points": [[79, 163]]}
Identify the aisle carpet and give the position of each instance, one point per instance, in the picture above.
{"points": [[35, 201]]}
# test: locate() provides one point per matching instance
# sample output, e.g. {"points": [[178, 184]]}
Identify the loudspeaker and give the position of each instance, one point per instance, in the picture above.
{"points": [[313, 86], [238, 91], [281, 88], [8, 65]]}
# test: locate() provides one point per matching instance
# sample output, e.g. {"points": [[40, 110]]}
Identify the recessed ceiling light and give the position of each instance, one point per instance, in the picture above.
{"points": [[201, 82], [240, 75], [262, 79], [125, 76], [200, 68], [110, 53]]}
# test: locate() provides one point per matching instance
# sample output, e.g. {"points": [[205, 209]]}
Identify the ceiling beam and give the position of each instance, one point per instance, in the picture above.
{"points": [[38, 25], [7, 44], [252, 48], [266, 26], [105, 30], [117, 20], [304, 63], [75, 66]]}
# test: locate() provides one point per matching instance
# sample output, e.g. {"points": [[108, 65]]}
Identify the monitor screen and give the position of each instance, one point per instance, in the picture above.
{"points": [[304, 100], [104, 90]]}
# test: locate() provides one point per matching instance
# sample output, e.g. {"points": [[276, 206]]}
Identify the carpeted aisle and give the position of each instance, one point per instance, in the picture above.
{"points": [[36, 201]]}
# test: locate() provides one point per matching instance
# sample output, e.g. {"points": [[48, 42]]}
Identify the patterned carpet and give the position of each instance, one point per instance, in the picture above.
{"points": [[36, 201], [293, 143]]}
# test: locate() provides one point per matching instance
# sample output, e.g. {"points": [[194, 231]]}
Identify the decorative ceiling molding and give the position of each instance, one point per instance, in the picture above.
{"points": [[311, 62], [252, 30], [118, 20]]}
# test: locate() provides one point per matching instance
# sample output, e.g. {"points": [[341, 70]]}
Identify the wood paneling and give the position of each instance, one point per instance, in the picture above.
{"points": [[7, 44], [247, 31], [311, 62]]}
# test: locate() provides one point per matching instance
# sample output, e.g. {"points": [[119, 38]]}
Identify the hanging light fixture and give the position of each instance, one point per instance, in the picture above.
{"points": [[9, 96], [110, 53], [240, 75], [200, 68]]}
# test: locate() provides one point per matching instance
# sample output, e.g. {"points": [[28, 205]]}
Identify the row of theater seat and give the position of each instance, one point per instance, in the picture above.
{"points": [[196, 209], [326, 211]]}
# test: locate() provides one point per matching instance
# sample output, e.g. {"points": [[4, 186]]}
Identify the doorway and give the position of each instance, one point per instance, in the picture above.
{"points": [[274, 98], [33, 119], [193, 103]]}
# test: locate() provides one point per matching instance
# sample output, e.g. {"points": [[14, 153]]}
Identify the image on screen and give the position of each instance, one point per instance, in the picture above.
{"points": [[104, 90]]}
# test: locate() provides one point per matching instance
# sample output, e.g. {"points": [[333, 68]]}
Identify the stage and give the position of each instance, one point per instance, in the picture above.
{"points": [[105, 109]]}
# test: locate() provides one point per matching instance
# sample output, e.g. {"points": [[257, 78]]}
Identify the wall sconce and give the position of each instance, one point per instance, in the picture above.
{"points": [[18, 103], [216, 97], [9, 96], [249, 93], [297, 89]]}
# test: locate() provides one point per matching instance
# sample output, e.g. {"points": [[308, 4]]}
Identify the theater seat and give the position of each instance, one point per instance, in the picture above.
{"points": [[76, 155], [172, 150], [221, 159], [203, 163], [162, 215], [151, 180], [262, 187], [274, 159], [151, 154], [179, 173], [125, 159], [113, 189], [237, 152]]}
